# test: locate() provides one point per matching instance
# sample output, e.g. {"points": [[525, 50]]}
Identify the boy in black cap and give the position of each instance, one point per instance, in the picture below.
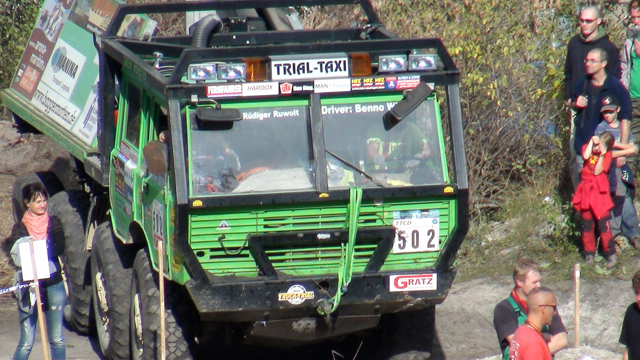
{"points": [[624, 218]]}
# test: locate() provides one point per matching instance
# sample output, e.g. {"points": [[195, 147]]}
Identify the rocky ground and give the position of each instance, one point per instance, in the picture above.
{"points": [[464, 321]]}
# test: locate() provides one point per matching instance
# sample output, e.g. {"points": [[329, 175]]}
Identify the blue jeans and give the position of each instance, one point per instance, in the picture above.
{"points": [[54, 300]]}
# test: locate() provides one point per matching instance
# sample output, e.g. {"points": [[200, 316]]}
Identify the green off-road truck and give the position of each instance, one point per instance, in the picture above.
{"points": [[306, 184]]}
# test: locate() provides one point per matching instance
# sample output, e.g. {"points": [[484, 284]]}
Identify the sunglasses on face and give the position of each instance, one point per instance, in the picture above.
{"points": [[555, 307], [587, 21]]}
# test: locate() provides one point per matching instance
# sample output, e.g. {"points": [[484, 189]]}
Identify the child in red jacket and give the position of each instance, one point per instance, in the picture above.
{"points": [[592, 198]]}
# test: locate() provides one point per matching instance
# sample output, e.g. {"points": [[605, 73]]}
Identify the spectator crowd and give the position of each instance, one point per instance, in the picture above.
{"points": [[602, 96]]}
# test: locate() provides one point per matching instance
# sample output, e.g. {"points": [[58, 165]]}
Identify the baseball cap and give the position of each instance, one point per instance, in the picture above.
{"points": [[609, 102]]}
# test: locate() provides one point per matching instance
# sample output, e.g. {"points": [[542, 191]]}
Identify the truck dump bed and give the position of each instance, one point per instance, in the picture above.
{"points": [[55, 85]]}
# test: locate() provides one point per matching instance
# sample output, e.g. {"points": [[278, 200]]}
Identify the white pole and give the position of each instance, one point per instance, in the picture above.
{"points": [[576, 276], [162, 319]]}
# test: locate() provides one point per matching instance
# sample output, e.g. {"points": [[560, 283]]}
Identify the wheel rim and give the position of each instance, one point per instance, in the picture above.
{"points": [[65, 280], [138, 342], [67, 306], [102, 310]]}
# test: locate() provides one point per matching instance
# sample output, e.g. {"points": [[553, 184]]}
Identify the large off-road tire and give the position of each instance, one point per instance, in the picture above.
{"points": [[111, 282], [180, 315], [71, 208], [48, 179], [408, 335]]}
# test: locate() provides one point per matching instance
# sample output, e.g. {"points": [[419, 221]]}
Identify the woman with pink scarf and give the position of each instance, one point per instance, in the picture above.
{"points": [[37, 224]]}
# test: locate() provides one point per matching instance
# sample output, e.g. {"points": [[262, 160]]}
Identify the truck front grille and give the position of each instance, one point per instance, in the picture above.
{"points": [[218, 237]]}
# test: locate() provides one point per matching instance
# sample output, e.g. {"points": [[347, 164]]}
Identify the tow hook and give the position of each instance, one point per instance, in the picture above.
{"points": [[324, 307]]}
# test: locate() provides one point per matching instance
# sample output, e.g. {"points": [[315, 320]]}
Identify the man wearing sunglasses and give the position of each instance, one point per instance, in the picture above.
{"points": [[592, 35], [630, 66], [528, 342], [510, 313]]}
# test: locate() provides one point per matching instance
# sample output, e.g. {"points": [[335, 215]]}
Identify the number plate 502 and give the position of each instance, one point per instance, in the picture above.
{"points": [[416, 235]]}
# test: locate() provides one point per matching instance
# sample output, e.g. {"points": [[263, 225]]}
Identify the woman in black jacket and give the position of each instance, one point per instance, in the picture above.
{"points": [[37, 223]]}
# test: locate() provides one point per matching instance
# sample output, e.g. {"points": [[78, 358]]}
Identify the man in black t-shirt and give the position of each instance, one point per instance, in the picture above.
{"points": [[630, 335], [510, 313]]}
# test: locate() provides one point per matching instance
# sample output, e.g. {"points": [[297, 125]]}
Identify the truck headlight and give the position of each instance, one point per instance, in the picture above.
{"points": [[201, 72], [232, 72], [422, 62], [392, 63]]}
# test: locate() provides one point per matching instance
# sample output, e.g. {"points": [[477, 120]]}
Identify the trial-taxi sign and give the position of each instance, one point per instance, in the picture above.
{"points": [[292, 67]]}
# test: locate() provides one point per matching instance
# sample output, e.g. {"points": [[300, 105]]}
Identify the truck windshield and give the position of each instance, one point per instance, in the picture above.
{"points": [[269, 150], [360, 151]]}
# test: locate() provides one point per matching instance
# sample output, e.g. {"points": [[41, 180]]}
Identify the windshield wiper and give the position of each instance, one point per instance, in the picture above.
{"points": [[377, 182]]}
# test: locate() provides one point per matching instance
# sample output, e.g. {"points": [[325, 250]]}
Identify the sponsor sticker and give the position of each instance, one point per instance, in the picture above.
{"points": [[296, 295], [224, 225], [260, 89], [157, 219], [283, 68], [391, 83], [334, 85], [226, 90], [408, 214], [176, 263], [417, 282], [87, 127], [296, 88], [356, 84], [29, 79], [286, 88], [407, 82], [368, 84], [416, 235], [61, 110], [379, 83], [64, 69]]}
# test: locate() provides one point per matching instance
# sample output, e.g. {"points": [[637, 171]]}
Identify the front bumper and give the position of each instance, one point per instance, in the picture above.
{"points": [[261, 299]]}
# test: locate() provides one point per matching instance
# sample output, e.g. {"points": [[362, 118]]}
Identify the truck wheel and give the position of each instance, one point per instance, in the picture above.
{"points": [[145, 315], [111, 280], [71, 208], [409, 335], [48, 179]]}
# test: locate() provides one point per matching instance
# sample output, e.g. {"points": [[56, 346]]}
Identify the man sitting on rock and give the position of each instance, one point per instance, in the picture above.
{"points": [[510, 313]]}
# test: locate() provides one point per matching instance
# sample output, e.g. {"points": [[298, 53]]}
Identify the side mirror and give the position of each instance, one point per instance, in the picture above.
{"points": [[155, 154], [406, 106], [215, 118]]}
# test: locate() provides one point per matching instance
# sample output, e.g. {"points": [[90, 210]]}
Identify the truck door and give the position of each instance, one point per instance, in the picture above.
{"points": [[155, 187], [125, 173]]}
